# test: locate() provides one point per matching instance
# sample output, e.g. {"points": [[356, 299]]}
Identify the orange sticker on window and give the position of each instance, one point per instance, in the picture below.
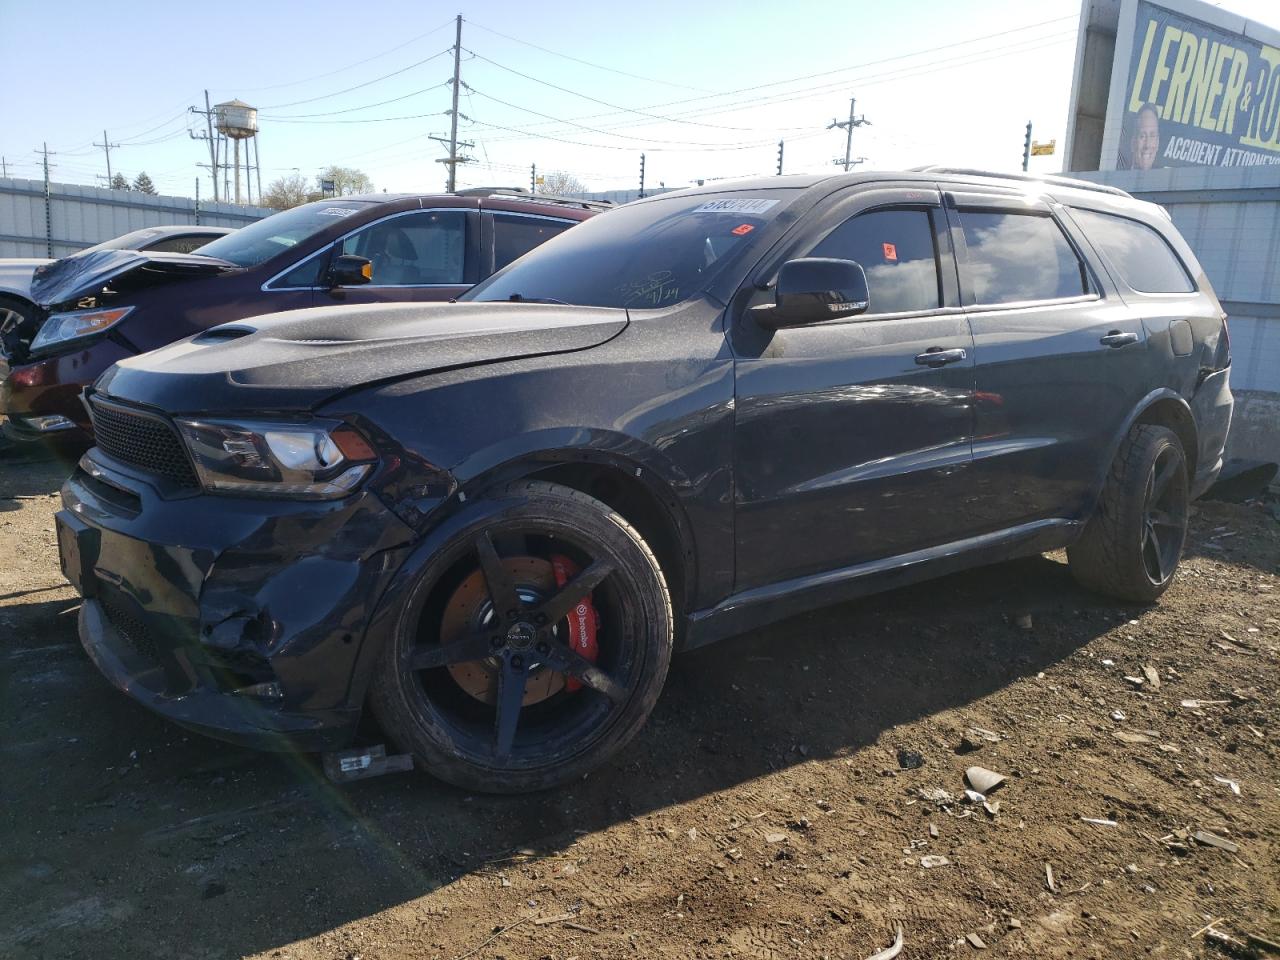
{"points": [[890, 252], [742, 229]]}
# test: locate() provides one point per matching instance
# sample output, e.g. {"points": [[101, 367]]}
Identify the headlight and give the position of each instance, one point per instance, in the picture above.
{"points": [[317, 460], [61, 327]]}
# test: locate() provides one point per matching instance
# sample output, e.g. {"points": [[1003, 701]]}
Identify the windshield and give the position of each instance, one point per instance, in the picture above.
{"points": [[259, 242], [649, 254]]}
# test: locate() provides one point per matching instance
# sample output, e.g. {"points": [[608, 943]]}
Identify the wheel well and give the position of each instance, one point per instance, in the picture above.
{"points": [[1169, 413], [14, 298], [641, 507]]}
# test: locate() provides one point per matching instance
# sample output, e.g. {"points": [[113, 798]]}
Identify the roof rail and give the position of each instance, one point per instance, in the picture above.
{"points": [[520, 193], [1025, 177], [486, 191]]}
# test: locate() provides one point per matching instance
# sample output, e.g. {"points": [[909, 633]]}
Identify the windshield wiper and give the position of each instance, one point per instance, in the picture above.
{"points": [[521, 298]]}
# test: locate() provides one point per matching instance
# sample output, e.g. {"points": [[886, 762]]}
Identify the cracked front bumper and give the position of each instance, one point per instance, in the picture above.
{"points": [[241, 619]]}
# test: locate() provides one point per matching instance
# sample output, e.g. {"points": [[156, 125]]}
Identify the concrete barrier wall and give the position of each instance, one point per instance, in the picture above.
{"points": [[76, 217]]}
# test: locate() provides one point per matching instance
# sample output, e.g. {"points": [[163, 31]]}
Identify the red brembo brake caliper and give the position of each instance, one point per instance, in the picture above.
{"points": [[583, 621]]}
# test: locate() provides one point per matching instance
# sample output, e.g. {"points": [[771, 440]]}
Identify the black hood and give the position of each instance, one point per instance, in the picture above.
{"points": [[296, 360], [84, 274]]}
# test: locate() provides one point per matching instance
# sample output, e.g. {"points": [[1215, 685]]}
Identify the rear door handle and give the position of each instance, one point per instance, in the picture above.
{"points": [[937, 357], [1117, 339]]}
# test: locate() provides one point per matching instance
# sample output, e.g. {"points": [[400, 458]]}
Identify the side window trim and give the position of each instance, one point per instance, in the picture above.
{"points": [[956, 205], [267, 284], [335, 243]]}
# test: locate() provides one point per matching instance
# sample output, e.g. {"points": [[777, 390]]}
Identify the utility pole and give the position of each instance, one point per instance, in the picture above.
{"points": [[533, 178], [1026, 149], [48, 204], [453, 114], [642, 176], [781, 144], [107, 146], [453, 159], [847, 126], [197, 201], [207, 113], [4, 168]]}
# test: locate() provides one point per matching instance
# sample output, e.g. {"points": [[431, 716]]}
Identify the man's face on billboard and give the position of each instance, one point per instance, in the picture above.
{"points": [[1145, 142]]}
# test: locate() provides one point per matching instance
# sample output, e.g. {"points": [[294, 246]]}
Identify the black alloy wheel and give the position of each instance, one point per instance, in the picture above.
{"points": [[533, 646], [1131, 546], [1165, 522]]}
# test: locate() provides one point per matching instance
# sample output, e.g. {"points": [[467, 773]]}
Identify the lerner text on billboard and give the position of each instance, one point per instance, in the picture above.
{"points": [[1197, 96]]}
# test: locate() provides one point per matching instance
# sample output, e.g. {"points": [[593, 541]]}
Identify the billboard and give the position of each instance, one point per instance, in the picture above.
{"points": [[1173, 83], [1198, 96]]}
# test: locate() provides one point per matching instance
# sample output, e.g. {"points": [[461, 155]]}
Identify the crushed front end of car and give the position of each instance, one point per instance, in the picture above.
{"points": [[238, 617]]}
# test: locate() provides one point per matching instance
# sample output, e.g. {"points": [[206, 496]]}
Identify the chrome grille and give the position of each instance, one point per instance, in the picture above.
{"points": [[143, 440]]}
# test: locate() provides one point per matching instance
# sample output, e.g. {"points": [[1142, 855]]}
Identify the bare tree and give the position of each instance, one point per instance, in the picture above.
{"points": [[290, 191], [346, 180], [558, 183]]}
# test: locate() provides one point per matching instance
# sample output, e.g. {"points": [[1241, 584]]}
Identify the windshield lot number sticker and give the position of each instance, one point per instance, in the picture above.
{"points": [[890, 252], [735, 206]]}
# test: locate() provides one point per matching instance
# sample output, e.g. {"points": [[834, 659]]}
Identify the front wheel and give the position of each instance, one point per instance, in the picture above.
{"points": [[1131, 546], [532, 647]]}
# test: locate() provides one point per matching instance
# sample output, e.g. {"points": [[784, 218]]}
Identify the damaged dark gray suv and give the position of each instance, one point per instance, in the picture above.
{"points": [[494, 521]]}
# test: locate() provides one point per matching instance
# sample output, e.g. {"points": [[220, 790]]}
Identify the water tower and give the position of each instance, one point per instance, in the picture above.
{"points": [[236, 121]]}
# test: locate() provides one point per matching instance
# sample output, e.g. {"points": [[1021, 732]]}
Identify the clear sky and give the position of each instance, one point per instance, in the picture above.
{"points": [[703, 89]]}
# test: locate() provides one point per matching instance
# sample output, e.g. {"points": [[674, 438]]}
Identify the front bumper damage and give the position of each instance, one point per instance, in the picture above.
{"points": [[241, 619]]}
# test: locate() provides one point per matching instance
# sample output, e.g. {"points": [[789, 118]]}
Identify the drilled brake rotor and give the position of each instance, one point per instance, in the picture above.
{"points": [[469, 610]]}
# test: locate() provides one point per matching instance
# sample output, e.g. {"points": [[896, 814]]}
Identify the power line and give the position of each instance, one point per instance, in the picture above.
{"points": [[967, 59], [351, 66], [588, 63], [760, 86], [614, 146], [358, 86], [603, 103], [608, 133], [411, 116], [367, 106]]}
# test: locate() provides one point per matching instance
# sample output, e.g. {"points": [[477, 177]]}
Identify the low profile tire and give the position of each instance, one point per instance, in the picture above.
{"points": [[486, 682], [1131, 546]]}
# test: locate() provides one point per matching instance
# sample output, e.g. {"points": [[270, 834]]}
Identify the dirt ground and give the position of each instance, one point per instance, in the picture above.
{"points": [[779, 804]]}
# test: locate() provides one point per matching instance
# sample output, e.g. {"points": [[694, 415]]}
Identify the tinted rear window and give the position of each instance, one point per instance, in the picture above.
{"points": [[514, 236], [1143, 258], [1017, 257]]}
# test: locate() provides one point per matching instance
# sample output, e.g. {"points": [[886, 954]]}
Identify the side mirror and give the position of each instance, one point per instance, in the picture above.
{"points": [[348, 270], [813, 289]]}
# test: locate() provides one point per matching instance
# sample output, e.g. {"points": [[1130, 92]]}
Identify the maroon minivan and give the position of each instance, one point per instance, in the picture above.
{"points": [[97, 309]]}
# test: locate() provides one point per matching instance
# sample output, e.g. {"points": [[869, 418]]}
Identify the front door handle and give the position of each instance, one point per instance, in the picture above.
{"points": [[937, 357], [1117, 339]]}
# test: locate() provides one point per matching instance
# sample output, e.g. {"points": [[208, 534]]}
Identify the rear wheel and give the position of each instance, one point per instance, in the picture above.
{"points": [[533, 646], [1131, 546]]}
